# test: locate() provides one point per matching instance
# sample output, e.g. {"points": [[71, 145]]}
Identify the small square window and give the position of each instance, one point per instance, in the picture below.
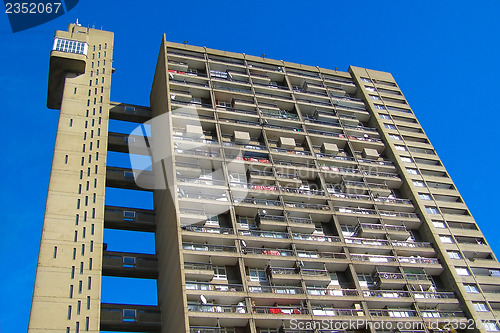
{"points": [[129, 315], [128, 215], [129, 262]]}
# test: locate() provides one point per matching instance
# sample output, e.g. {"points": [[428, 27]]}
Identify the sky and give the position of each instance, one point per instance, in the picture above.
{"points": [[443, 54]]}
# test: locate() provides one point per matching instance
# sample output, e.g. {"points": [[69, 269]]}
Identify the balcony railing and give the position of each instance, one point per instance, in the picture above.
{"points": [[398, 214], [290, 204], [300, 220], [219, 308], [313, 291], [201, 181], [264, 234], [287, 290], [291, 151], [441, 314], [411, 244], [323, 255], [396, 313], [366, 241], [418, 260], [372, 258], [263, 202], [352, 210], [428, 294], [327, 311], [198, 266], [335, 157], [208, 247], [197, 152], [207, 329], [302, 191], [393, 200], [269, 252], [279, 310], [316, 238], [386, 293], [222, 231], [191, 285]]}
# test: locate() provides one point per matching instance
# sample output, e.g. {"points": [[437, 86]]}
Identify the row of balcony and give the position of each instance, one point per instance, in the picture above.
{"points": [[129, 317]]}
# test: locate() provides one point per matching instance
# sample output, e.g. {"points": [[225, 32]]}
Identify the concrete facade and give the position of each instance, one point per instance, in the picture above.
{"points": [[283, 194]]}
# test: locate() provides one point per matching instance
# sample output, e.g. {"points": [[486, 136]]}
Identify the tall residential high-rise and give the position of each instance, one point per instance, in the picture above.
{"points": [[287, 199]]}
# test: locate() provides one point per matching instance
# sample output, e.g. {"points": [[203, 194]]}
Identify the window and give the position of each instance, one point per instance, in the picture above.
{"points": [[446, 239], [366, 280], [365, 79], [490, 326], [412, 171], [129, 315], [380, 107], [389, 126], [454, 255], [220, 272], [406, 159], [348, 230], [375, 97], [400, 148], [424, 196], [129, 262], [431, 210], [480, 306], [370, 89], [471, 288], [128, 215], [462, 271], [70, 46], [384, 116], [418, 183], [257, 275], [439, 224], [395, 137]]}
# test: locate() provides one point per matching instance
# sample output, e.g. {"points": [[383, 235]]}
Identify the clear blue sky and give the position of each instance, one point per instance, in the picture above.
{"points": [[443, 55]]}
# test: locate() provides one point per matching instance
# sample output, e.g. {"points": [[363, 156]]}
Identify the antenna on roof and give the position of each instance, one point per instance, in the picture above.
{"points": [[185, 42]]}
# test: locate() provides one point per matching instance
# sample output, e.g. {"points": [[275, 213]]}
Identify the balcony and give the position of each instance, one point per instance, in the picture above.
{"points": [[433, 299], [125, 218], [208, 230], [279, 290], [330, 312], [389, 280], [283, 275], [126, 264], [315, 291], [268, 251], [398, 314], [279, 311], [315, 275], [130, 318], [306, 206], [271, 222], [216, 287], [217, 308], [198, 271], [192, 250], [208, 329]]}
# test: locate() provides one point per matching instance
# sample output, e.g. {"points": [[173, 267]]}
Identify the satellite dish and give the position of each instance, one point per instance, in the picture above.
{"points": [[203, 299]]}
